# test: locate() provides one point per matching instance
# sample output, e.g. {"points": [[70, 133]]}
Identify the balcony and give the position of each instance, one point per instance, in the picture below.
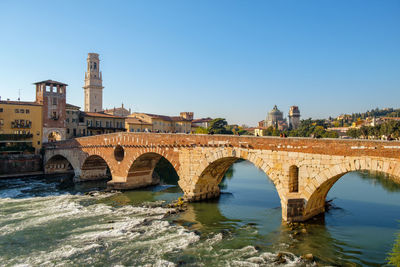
{"points": [[15, 137], [15, 125]]}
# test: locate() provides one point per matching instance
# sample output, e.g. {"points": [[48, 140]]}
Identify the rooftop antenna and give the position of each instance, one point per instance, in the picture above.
{"points": [[19, 94]]}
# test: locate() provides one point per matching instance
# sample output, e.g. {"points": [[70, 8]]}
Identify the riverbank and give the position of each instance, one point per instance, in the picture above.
{"points": [[20, 164], [23, 174]]}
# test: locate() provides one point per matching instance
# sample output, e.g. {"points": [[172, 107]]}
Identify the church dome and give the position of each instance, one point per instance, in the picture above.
{"points": [[275, 112]]}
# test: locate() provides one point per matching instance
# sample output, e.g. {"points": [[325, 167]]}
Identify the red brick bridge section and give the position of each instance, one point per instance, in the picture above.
{"points": [[302, 169]]}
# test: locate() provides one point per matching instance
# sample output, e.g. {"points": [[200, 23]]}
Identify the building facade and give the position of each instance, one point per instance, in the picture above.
{"points": [[120, 112], [203, 122], [20, 126], [294, 117], [274, 118], [167, 124], [101, 123], [76, 126], [93, 88], [52, 96], [137, 125]]}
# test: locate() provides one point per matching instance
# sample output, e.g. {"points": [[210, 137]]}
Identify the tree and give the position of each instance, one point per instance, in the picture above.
{"points": [[201, 130], [394, 256], [218, 126], [353, 132]]}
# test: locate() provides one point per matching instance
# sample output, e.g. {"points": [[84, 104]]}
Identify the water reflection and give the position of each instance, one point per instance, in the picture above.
{"points": [[358, 230]]}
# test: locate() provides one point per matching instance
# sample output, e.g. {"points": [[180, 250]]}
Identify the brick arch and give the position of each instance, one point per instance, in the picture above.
{"points": [[61, 153], [329, 176], [57, 164], [170, 156], [94, 167], [98, 153], [215, 164], [137, 168]]}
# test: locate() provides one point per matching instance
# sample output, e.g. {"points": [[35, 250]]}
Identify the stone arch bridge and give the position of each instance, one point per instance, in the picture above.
{"points": [[302, 169]]}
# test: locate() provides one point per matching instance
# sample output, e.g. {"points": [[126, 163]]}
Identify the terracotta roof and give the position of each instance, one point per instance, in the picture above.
{"points": [[390, 118], [48, 82], [163, 117], [136, 121], [100, 114], [19, 103], [71, 106], [178, 118], [115, 109], [202, 120]]}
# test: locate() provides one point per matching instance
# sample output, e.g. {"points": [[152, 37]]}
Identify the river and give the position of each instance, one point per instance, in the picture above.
{"points": [[43, 222]]}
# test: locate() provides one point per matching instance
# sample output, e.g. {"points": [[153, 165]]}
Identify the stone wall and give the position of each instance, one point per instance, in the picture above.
{"points": [[13, 164]]}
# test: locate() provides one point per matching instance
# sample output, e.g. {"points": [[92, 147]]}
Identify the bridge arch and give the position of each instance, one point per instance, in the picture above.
{"points": [[329, 176], [140, 171], [211, 170], [58, 164], [95, 167]]}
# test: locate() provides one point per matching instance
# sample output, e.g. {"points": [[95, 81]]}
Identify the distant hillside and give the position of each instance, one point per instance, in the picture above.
{"points": [[386, 112]]}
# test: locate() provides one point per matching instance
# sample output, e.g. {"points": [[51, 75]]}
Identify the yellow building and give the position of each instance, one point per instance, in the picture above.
{"points": [[260, 131], [137, 125], [101, 123], [21, 126], [167, 124]]}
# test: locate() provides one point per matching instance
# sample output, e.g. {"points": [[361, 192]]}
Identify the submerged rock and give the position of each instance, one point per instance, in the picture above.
{"points": [[308, 257]]}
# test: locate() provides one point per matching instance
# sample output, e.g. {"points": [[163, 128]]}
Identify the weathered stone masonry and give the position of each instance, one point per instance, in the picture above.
{"points": [[302, 169]]}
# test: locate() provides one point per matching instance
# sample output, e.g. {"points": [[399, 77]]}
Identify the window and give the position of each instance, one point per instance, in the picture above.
{"points": [[27, 111], [94, 65], [22, 111], [67, 130], [38, 142], [16, 110], [1, 122], [54, 101], [1, 109]]}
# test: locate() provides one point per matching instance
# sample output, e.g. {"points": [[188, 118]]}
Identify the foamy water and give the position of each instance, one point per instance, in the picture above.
{"points": [[75, 229], [45, 223]]}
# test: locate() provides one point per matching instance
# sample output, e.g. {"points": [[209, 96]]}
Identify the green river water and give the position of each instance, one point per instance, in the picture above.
{"points": [[45, 223]]}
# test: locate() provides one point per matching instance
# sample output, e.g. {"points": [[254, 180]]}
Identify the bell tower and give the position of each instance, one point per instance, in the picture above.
{"points": [[93, 84]]}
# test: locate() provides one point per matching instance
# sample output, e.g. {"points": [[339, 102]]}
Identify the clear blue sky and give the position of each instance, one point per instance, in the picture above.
{"points": [[232, 59]]}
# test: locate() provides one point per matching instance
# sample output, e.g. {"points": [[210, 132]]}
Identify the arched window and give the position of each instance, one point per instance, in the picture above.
{"points": [[293, 179]]}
